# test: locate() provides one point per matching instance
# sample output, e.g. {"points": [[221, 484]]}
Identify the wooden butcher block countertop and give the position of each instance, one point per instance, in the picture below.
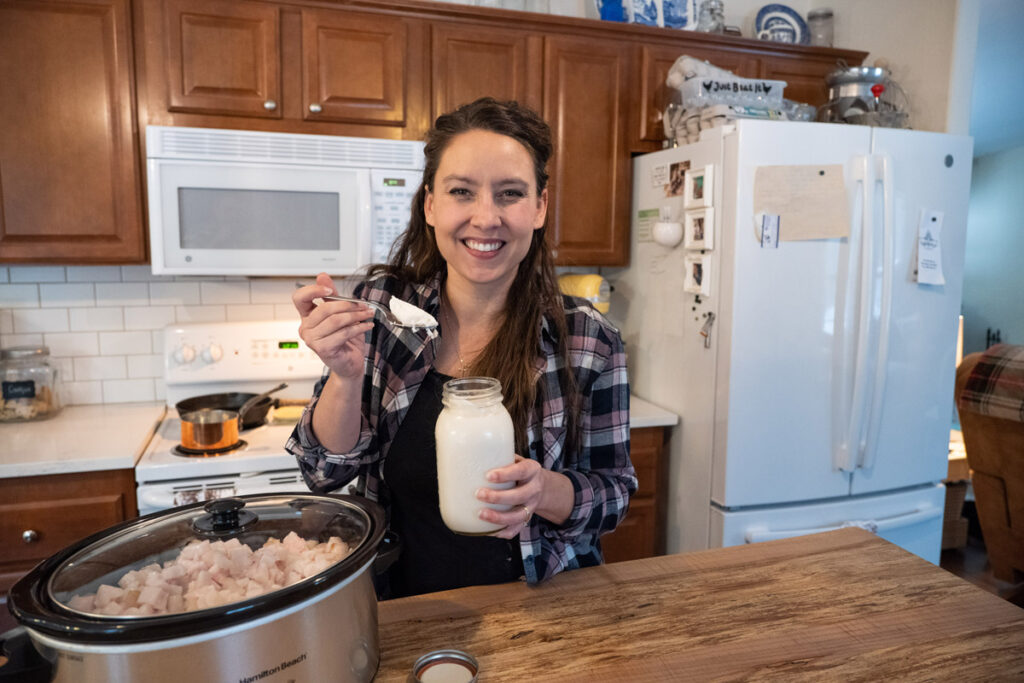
{"points": [[842, 605]]}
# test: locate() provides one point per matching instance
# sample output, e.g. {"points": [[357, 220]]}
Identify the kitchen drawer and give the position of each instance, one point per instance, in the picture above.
{"points": [[61, 509], [645, 446], [55, 524]]}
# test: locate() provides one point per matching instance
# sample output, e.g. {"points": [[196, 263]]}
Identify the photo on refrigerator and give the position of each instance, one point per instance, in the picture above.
{"points": [[699, 229]]}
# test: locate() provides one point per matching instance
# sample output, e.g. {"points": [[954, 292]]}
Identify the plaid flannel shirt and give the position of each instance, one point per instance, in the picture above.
{"points": [[995, 386], [602, 475]]}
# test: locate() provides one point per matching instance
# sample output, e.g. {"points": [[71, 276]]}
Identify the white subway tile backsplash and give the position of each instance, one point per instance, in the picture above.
{"points": [[125, 343], [94, 274], [238, 313], [72, 344], [83, 393], [19, 296], [65, 368], [228, 292], [104, 324], [286, 312], [148, 317], [139, 274], [97, 319], [140, 367], [128, 390], [10, 340], [174, 293], [121, 294], [37, 274], [100, 367], [271, 291], [158, 341], [76, 294], [200, 314], [29, 320]]}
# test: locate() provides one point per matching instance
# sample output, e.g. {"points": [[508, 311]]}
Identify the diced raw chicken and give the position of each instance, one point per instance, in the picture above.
{"points": [[209, 574]]}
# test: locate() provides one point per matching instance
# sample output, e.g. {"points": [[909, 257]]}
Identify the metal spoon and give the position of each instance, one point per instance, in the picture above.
{"points": [[389, 316], [256, 399], [380, 308]]}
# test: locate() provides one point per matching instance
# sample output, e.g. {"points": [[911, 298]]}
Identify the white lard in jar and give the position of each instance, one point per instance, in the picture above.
{"points": [[474, 434]]}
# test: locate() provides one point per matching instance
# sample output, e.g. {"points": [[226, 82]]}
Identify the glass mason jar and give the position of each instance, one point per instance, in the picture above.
{"points": [[28, 383], [711, 17], [474, 434], [819, 25]]}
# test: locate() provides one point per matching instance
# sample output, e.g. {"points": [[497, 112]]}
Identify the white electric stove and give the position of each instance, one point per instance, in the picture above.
{"points": [[212, 358]]}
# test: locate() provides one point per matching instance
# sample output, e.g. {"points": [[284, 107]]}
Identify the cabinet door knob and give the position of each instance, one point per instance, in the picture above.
{"points": [[315, 108], [270, 105], [29, 536]]}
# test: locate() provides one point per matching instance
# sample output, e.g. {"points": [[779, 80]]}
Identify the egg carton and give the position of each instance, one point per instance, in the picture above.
{"points": [[697, 93]]}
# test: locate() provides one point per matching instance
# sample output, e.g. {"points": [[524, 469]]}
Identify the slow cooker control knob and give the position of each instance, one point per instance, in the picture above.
{"points": [[213, 353], [184, 354]]}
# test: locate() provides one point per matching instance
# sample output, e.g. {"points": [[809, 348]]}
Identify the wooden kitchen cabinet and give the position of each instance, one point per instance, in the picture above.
{"points": [[803, 68], [223, 57], [77, 76], [642, 532], [587, 104], [43, 514], [283, 67], [70, 189], [505, 65]]}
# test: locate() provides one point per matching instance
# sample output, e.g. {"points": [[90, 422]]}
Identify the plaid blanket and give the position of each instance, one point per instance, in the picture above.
{"points": [[996, 384]]}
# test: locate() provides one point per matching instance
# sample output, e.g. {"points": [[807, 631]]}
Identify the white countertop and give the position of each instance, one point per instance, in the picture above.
{"points": [[78, 439], [645, 414], [114, 435]]}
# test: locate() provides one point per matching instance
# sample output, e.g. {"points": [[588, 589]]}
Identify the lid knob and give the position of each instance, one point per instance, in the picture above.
{"points": [[226, 517]]}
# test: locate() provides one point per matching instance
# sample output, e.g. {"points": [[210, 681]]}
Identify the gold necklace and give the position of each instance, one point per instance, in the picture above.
{"points": [[455, 338]]}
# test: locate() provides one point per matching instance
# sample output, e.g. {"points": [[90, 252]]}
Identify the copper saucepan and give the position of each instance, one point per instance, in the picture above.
{"points": [[209, 430]]}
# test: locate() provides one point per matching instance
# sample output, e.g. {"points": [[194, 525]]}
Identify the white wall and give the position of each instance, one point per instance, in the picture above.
{"points": [[103, 324], [993, 287]]}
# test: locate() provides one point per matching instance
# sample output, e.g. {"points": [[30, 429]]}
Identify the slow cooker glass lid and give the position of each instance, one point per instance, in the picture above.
{"points": [[159, 539]]}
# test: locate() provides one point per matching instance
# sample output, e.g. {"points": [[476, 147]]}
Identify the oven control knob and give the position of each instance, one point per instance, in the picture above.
{"points": [[184, 354], [213, 353]]}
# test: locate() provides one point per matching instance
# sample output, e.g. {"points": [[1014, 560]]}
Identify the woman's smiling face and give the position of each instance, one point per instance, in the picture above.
{"points": [[484, 207]]}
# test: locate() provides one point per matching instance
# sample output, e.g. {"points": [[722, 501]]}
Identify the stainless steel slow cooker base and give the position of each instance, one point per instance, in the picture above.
{"points": [[329, 637]]}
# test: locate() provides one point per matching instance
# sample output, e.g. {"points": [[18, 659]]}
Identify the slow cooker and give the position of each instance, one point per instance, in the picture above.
{"points": [[322, 627]]}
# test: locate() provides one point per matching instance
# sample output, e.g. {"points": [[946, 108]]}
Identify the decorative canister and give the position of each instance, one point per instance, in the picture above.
{"points": [[28, 382]]}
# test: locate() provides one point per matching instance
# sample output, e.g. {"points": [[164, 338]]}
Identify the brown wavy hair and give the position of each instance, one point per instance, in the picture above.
{"points": [[534, 294]]}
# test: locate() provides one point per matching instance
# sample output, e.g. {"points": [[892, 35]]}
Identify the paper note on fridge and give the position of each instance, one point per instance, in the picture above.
{"points": [[810, 201]]}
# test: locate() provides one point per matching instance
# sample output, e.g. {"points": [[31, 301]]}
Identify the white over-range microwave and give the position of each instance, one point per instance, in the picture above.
{"points": [[233, 202]]}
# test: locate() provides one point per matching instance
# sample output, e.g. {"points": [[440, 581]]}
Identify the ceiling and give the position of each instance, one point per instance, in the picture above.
{"points": [[997, 98]]}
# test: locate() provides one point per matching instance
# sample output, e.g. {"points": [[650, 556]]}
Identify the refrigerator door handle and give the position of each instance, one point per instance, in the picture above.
{"points": [[868, 449], [873, 525], [847, 459]]}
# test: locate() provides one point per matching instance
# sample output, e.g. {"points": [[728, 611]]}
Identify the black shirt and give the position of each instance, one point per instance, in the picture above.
{"points": [[433, 558]]}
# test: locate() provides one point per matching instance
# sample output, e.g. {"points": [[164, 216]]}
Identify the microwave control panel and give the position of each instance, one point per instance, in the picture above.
{"points": [[392, 195]]}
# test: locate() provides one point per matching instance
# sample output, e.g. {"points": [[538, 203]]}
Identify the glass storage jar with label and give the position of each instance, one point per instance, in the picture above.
{"points": [[29, 384], [474, 434]]}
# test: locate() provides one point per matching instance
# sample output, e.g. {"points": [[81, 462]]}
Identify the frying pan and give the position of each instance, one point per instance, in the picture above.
{"points": [[233, 400]]}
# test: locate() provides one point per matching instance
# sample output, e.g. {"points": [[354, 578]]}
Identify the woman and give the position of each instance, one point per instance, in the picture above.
{"points": [[475, 257]]}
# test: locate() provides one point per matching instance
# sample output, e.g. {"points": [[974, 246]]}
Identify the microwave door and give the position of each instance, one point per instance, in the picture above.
{"points": [[252, 219]]}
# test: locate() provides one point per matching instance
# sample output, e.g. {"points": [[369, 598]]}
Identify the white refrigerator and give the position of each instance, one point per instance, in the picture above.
{"points": [[804, 328]]}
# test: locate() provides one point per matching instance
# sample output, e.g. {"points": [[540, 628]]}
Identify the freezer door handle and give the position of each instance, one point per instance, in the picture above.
{"points": [[868, 447], [875, 526]]}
